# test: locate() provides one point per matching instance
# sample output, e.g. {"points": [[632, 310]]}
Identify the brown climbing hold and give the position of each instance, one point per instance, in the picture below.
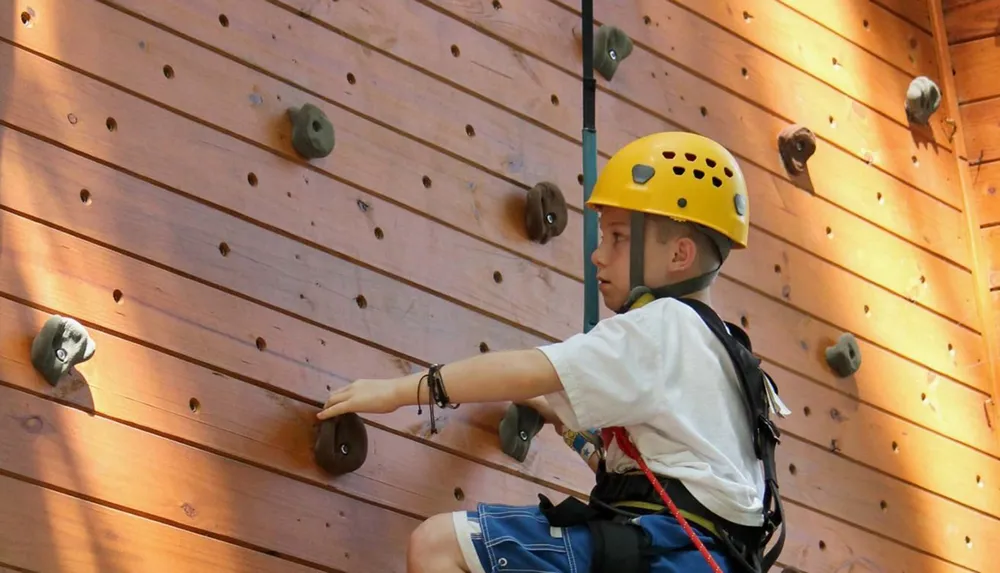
{"points": [[341, 444], [844, 357], [545, 212], [796, 144]]}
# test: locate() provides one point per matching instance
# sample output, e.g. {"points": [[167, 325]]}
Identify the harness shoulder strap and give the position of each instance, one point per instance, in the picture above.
{"points": [[766, 436]]}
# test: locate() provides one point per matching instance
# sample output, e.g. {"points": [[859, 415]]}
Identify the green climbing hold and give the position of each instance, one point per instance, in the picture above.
{"points": [[60, 344], [611, 46], [519, 425], [341, 444], [312, 132], [844, 357]]}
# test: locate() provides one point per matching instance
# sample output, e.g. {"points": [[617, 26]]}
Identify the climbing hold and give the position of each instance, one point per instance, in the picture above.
{"points": [[544, 212], [341, 444], [796, 144], [611, 46], [844, 357], [923, 98], [60, 344], [312, 132], [517, 428]]}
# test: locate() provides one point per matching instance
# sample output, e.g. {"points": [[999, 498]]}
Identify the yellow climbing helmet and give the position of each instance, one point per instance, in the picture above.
{"points": [[681, 175]]}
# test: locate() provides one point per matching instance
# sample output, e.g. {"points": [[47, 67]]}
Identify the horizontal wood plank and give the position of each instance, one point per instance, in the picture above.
{"points": [[45, 530], [877, 30], [976, 69], [220, 169], [197, 405], [980, 120], [917, 13], [426, 27], [116, 464], [551, 33], [985, 184], [859, 432], [821, 53], [873, 501], [967, 20], [55, 270]]}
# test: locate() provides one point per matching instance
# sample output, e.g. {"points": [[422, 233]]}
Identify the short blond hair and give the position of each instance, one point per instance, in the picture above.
{"points": [[708, 257]]}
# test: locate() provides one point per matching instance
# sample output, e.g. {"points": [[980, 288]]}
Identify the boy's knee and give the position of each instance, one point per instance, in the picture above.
{"points": [[433, 543]]}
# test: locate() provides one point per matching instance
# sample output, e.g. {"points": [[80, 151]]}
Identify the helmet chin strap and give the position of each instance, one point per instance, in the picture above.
{"points": [[640, 295]]}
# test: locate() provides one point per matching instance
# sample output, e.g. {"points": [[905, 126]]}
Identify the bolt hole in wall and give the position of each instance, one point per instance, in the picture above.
{"points": [[261, 344], [224, 249], [85, 197], [484, 348], [111, 124], [807, 411], [459, 494], [455, 51], [497, 5], [224, 20], [470, 131], [28, 18], [117, 295], [427, 182], [497, 277], [168, 72], [252, 179], [554, 99], [194, 405], [351, 79], [379, 234], [361, 301]]}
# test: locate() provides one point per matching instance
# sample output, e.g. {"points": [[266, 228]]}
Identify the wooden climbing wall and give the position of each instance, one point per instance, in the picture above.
{"points": [[148, 188]]}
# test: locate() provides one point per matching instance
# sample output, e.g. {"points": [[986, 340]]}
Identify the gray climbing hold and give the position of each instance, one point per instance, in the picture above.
{"points": [[844, 357], [545, 214], [341, 444], [611, 46], [923, 98], [517, 428], [60, 344], [312, 133]]}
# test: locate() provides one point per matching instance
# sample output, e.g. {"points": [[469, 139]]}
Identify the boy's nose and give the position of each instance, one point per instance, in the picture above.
{"points": [[597, 256]]}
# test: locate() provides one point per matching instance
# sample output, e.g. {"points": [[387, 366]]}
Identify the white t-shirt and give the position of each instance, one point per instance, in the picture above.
{"points": [[659, 372]]}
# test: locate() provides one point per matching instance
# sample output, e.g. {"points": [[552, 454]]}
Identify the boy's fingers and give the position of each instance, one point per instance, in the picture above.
{"points": [[333, 410]]}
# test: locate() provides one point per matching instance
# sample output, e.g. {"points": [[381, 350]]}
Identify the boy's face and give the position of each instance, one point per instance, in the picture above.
{"points": [[664, 261]]}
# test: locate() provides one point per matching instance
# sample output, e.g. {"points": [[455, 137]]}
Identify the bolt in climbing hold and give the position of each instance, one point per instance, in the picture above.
{"points": [[60, 344], [544, 212], [312, 133], [341, 444], [796, 144], [517, 428], [611, 47], [923, 98], [844, 357]]}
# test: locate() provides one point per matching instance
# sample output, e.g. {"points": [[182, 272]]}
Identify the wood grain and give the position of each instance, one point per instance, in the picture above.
{"points": [[551, 33], [976, 69], [967, 20], [991, 248], [985, 182], [917, 13], [877, 30], [196, 405], [771, 197], [103, 460], [980, 120], [45, 530]]}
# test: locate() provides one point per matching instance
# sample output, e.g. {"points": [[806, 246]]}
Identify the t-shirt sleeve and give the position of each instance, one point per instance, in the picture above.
{"points": [[614, 374]]}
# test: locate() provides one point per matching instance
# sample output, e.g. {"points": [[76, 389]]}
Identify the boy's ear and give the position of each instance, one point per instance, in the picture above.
{"points": [[685, 252]]}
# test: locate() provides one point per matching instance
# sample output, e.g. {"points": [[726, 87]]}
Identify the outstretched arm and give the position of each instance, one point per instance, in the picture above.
{"points": [[510, 376]]}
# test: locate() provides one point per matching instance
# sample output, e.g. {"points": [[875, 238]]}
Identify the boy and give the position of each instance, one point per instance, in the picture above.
{"points": [[663, 380]]}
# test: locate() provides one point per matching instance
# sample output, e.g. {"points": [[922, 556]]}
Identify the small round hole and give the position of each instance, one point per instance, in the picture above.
{"points": [[316, 126], [923, 397], [252, 179], [497, 277], [880, 198], [168, 72], [224, 248], [704, 111], [895, 447], [865, 24], [822, 545], [833, 122], [194, 405], [968, 542], [884, 505], [868, 310], [745, 321], [459, 494], [470, 131], [111, 124], [554, 99], [483, 347], [497, 5], [745, 73], [807, 411], [117, 295], [379, 234], [351, 79], [923, 279], [792, 469], [26, 19], [915, 161], [455, 51], [829, 233], [427, 182], [979, 481], [261, 344], [361, 301], [85, 196], [747, 16], [224, 20], [777, 268]]}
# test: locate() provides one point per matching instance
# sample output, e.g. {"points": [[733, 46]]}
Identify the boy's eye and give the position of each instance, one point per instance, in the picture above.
{"points": [[619, 237]]}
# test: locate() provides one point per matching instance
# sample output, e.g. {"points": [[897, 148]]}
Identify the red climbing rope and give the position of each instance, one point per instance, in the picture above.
{"points": [[631, 451]]}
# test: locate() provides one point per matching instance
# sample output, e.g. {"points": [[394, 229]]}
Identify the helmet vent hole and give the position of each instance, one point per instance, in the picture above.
{"points": [[678, 170], [716, 181], [669, 154], [699, 174], [729, 173], [710, 162], [690, 156]]}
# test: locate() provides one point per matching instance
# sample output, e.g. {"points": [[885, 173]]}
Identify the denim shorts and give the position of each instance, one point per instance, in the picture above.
{"points": [[497, 538]]}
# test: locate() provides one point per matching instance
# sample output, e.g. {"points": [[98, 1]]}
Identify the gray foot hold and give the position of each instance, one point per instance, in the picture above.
{"points": [[60, 344], [844, 357], [519, 425], [312, 133]]}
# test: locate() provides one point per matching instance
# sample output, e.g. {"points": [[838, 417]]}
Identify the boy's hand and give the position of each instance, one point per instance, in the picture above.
{"points": [[364, 396]]}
